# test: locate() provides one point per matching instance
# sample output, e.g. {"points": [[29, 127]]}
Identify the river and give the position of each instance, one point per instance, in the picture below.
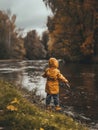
{"points": [[80, 101]]}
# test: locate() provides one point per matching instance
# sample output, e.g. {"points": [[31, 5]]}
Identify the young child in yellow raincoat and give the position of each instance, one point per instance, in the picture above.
{"points": [[53, 76]]}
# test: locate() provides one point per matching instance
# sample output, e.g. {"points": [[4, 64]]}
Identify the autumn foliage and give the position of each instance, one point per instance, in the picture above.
{"points": [[72, 28], [11, 46]]}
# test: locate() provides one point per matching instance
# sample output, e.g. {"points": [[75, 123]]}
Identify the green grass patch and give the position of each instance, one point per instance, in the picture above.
{"points": [[17, 113]]}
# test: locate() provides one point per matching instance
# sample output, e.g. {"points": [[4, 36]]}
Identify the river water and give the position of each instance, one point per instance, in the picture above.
{"points": [[80, 101]]}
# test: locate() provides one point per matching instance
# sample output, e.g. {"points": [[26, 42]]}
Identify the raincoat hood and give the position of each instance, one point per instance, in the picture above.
{"points": [[53, 63]]}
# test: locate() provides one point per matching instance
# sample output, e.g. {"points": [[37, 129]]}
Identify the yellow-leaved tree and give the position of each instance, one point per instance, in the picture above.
{"points": [[70, 27]]}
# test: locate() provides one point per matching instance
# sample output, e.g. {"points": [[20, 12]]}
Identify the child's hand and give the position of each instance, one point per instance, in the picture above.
{"points": [[66, 81]]}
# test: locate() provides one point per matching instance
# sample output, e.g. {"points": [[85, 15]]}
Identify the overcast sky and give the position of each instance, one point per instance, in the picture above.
{"points": [[31, 14]]}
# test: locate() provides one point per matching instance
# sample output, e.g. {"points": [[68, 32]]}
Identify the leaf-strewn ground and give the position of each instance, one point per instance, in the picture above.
{"points": [[17, 113]]}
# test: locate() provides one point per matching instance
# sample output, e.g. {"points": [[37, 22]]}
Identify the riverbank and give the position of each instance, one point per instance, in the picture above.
{"points": [[16, 113]]}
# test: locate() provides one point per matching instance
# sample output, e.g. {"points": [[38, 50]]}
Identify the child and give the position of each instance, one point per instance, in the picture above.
{"points": [[53, 76]]}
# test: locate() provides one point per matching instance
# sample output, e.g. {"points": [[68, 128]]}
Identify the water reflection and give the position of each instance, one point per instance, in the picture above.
{"points": [[24, 74], [83, 96]]}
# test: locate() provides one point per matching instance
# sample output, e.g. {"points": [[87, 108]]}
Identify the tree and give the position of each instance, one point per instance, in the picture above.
{"points": [[9, 39], [34, 47], [72, 24], [3, 35], [45, 39]]}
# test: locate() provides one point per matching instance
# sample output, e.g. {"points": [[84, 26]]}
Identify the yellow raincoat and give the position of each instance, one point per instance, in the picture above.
{"points": [[53, 76]]}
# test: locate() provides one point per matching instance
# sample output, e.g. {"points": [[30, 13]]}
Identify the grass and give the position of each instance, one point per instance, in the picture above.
{"points": [[17, 113]]}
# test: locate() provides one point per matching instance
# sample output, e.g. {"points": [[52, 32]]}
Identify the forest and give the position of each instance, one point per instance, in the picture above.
{"points": [[72, 33]]}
